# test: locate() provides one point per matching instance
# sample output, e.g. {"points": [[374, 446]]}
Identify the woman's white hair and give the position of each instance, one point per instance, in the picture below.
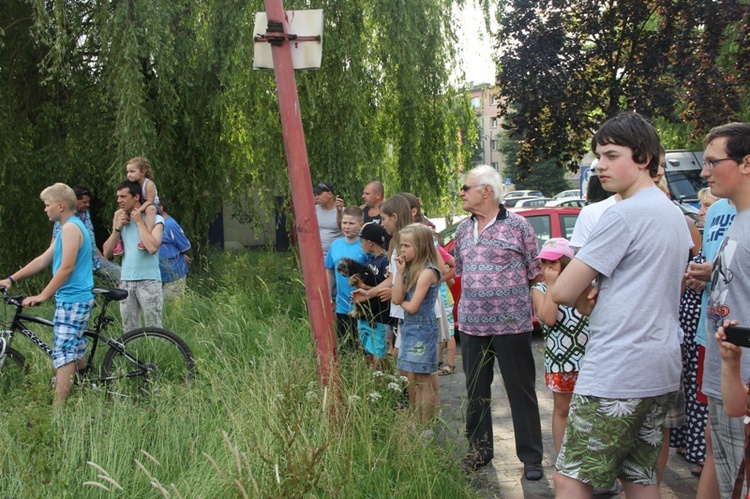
{"points": [[486, 175]]}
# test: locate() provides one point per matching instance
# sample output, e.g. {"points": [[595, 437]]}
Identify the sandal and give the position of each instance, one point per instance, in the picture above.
{"points": [[697, 470], [446, 370]]}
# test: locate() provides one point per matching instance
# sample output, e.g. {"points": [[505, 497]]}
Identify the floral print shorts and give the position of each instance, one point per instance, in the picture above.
{"points": [[613, 438]]}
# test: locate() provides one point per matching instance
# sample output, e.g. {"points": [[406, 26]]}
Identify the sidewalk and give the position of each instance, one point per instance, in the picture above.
{"points": [[503, 477]]}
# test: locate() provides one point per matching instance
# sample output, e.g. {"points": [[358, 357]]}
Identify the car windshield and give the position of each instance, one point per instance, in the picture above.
{"points": [[685, 184]]}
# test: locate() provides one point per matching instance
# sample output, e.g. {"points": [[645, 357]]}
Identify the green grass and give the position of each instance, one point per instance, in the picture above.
{"points": [[254, 423]]}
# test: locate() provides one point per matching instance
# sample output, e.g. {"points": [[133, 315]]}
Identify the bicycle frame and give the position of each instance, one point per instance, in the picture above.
{"points": [[101, 322]]}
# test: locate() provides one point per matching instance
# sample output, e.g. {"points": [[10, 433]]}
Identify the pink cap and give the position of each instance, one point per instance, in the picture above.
{"points": [[555, 248]]}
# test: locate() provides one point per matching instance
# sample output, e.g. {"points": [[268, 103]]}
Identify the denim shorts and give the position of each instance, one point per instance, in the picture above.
{"points": [[419, 346], [69, 343]]}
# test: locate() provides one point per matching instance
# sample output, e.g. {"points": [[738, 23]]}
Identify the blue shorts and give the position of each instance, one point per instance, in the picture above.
{"points": [[69, 343], [372, 337]]}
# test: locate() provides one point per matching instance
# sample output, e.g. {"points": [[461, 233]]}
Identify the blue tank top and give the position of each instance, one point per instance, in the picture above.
{"points": [[77, 289]]}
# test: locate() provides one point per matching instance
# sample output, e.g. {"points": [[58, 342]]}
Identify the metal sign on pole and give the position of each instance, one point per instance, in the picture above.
{"points": [[306, 26], [283, 43]]}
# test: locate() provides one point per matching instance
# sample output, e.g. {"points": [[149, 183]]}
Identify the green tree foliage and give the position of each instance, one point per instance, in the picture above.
{"points": [[87, 85], [543, 176], [565, 66]]}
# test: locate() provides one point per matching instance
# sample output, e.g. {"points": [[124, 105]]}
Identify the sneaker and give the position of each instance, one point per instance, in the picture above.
{"points": [[118, 249]]}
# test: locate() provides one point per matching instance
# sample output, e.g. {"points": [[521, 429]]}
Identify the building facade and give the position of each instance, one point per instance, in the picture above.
{"points": [[484, 100]]}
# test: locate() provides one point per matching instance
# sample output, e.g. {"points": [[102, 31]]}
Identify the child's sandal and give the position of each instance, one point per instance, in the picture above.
{"points": [[446, 370]]}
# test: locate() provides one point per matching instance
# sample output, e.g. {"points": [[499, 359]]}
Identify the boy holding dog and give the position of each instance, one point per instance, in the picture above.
{"points": [[345, 247]]}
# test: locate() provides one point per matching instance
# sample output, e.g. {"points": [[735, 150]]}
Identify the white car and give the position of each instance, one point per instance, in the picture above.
{"points": [[568, 202], [571, 193], [531, 202], [524, 194]]}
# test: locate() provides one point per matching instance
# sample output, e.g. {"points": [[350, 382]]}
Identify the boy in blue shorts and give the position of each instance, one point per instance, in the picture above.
{"points": [[372, 326], [630, 374], [345, 247], [71, 283]]}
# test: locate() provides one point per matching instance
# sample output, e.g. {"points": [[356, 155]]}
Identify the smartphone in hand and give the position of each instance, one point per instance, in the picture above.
{"points": [[738, 335]]}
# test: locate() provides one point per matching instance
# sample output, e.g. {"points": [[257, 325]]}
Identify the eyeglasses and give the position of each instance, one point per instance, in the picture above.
{"points": [[711, 163], [466, 188]]}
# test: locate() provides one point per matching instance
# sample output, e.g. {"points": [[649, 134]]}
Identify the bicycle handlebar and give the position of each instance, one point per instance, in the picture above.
{"points": [[12, 300]]}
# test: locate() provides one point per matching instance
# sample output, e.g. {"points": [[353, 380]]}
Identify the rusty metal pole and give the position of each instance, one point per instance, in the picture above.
{"points": [[306, 223]]}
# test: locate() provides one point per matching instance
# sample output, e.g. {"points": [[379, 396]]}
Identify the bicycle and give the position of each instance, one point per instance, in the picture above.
{"points": [[138, 363]]}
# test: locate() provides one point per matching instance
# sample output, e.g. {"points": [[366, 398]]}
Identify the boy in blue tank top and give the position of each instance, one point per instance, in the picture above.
{"points": [[71, 283]]}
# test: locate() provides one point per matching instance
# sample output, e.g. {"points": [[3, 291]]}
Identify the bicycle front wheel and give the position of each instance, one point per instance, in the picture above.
{"points": [[152, 358], [13, 371]]}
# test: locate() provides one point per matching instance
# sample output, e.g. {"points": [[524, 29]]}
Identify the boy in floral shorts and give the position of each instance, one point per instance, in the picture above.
{"points": [[71, 283], [630, 374]]}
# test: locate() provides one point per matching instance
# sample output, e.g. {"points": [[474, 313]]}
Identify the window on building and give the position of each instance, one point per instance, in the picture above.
{"points": [[494, 122], [476, 102], [493, 145], [494, 100]]}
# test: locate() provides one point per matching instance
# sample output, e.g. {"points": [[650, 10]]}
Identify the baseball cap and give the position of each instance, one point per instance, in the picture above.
{"points": [[555, 248], [373, 231], [323, 187]]}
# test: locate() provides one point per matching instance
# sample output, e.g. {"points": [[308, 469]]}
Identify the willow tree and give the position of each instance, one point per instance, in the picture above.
{"points": [[86, 85]]}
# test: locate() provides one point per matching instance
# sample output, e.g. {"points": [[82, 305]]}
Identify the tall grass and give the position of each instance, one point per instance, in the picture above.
{"points": [[254, 423]]}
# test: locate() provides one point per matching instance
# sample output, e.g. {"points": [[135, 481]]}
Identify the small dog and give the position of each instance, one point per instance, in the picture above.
{"points": [[359, 276]]}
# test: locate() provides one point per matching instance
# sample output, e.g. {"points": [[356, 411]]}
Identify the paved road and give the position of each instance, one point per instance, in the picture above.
{"points": [[503, 478]]}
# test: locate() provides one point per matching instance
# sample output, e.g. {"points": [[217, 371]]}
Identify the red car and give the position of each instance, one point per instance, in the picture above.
{"points": [[547, 222]]}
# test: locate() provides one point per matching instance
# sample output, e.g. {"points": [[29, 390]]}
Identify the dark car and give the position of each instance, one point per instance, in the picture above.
{"points": [[547, 222]]}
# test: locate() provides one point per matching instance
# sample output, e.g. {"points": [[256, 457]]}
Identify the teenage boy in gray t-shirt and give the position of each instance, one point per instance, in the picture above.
{"points": [[726, 168], [631, 371]]}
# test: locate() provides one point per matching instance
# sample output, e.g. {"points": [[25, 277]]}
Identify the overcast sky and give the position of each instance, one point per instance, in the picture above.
{"points": [[474, 46]]}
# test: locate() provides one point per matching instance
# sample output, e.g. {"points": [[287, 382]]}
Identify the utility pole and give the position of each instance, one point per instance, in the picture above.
{"points": [[306, 223]]}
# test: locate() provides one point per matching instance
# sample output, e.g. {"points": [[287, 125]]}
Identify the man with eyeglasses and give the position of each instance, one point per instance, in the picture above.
{"points": [[726, 168], [495, 252], [103, 268]]}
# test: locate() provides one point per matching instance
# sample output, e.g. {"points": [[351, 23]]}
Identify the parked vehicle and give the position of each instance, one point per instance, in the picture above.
{"points": [[683, 174], [531, 202], [514, 202], [523, 194], [567, 202], [547, 223], [570, 193]]}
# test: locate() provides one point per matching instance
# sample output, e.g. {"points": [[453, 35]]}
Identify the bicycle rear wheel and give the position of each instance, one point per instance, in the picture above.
{"points": [[152, 358], [13, 371]]}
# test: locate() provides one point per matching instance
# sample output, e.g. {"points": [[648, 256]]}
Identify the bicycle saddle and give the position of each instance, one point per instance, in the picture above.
{"points": [[112, 294]]}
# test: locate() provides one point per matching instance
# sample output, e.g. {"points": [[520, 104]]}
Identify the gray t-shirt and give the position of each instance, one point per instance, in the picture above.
{"points": [[728, 299], [640, 249], [328, 226]]}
